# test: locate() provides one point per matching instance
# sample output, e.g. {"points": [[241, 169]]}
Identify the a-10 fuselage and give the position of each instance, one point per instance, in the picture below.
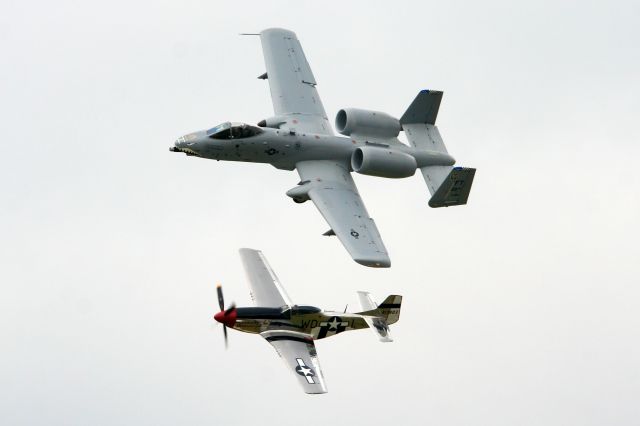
{"points": [[304, 319], [283, 148]]}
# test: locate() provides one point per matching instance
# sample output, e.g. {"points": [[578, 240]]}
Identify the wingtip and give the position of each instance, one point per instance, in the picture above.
{"points": [[245, 251], [374, 263], [274, 30], [319, 392]]}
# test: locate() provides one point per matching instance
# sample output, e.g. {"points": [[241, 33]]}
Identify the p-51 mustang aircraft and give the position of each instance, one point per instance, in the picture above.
{"points": [[291, 329], [299, 137]]}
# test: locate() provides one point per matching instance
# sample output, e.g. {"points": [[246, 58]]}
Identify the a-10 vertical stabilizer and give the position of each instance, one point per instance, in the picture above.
{"points": [[448, 185]]}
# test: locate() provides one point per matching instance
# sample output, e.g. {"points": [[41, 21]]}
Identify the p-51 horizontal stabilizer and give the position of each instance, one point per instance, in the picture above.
{"points": [[378, 317]]}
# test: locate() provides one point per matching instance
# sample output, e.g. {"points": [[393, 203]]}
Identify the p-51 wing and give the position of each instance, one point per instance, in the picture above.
{"points": [[296, 102], [266, 290], [299, 354], [331, 188]]}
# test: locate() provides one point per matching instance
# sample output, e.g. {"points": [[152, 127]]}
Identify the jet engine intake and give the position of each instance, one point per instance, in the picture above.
{"points": [[367, 123], [383, 162]]}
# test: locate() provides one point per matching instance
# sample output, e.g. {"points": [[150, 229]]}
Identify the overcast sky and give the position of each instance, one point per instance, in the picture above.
{"points": [[519, 308]]}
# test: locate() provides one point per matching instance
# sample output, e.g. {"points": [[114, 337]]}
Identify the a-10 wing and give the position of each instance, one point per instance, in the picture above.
{"points": [[333, 191], [296, 102], [299, 354], [293, 87]]}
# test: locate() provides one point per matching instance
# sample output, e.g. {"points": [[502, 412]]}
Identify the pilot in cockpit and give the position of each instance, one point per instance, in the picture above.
{"points": [[233, 131]]}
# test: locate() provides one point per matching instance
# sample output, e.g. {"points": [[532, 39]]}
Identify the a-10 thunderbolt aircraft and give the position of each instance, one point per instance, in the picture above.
{"points": [[291, 329], [299, 137]]}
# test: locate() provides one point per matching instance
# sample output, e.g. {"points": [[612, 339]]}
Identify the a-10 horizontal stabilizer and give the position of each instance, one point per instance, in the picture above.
{"points": [[454, 189]]}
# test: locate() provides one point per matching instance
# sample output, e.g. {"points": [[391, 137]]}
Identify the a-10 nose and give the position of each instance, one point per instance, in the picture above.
{"points": [[177, 144]]}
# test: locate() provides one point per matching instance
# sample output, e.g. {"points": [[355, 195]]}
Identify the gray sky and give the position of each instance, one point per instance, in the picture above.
{"points": [[520, 308]]}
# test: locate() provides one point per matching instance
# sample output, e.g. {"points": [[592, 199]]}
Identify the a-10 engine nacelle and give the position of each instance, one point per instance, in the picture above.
{"points": [[367, 123], [383, 162]]}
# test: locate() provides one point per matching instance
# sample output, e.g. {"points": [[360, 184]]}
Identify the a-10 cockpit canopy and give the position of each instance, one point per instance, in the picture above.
{"points": [[229, 130]]}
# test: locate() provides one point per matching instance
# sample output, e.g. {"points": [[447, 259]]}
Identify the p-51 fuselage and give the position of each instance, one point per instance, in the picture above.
{"points": [[303, 319]]}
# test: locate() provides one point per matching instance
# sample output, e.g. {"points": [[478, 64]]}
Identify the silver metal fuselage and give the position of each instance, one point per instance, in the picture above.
{"points": [[283, 148]]}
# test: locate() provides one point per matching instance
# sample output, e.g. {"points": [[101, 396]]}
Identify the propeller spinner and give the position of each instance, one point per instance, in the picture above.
{"points": [[225, 317]]}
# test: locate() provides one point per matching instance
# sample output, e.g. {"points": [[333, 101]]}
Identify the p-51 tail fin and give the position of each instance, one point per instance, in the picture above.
{"points": [[378, 317], [448, 185]]}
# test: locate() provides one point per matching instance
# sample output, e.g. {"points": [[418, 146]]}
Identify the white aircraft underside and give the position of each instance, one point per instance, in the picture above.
{"points": [[299, 137]]}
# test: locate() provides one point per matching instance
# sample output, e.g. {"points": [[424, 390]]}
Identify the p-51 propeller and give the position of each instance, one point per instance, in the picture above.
{"points": [[226, 316]]}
